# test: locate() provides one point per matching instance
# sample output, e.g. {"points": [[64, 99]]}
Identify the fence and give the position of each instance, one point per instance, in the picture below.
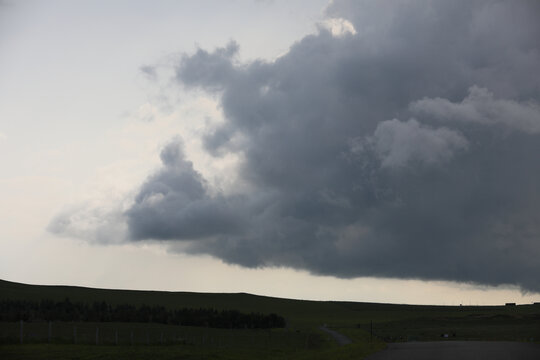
{"points": [[150, 334]]}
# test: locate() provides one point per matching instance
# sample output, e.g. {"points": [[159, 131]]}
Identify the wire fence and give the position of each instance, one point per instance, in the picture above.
{"points": [[151, 334]]}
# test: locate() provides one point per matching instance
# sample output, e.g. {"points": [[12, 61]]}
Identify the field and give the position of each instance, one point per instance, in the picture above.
{"points": [[300, 339]]}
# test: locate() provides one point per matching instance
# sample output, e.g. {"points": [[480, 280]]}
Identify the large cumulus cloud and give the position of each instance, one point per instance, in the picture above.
{"points": [[405, 148], [175, 203]]}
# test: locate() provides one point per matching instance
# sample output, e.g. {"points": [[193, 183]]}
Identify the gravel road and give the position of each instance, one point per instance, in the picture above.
{"points": [[462, 350]]}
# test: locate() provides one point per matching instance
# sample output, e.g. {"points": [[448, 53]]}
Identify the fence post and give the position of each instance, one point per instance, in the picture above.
{"points": [[131, 337], [116, 336], [50, 331], [161, 339], [21, 334], [74, 334], [97, 335]]}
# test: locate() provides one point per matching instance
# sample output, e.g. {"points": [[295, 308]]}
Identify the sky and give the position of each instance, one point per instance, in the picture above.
{"points": [[381, 151]]}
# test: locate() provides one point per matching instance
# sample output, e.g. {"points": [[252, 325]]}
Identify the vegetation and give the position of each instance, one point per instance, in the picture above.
{"points": [[48, 310], [369, 325], [477, 325]]}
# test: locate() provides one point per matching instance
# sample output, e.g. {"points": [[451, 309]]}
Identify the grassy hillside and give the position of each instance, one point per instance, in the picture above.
{"points": [[301, 340], [299, 313], [390, 321]]}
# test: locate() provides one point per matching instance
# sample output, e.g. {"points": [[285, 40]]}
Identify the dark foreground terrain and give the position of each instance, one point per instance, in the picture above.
{"points": [[462, 350], [313, 329]]}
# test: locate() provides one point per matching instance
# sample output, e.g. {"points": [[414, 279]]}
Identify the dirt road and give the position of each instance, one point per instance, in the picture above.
{"points": [[462, 350], [340, 338]]}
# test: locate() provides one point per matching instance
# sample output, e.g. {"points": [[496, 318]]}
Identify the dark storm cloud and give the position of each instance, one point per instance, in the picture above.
{"points": [[175, 203], [480, 107], [209, 70], [407, 150]]}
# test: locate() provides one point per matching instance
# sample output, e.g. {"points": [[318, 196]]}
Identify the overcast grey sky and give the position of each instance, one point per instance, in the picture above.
{"points": [[359, 150]]}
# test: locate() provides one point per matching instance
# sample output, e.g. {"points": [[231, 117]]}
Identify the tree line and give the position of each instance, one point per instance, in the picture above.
{"points": [[48, 310]]}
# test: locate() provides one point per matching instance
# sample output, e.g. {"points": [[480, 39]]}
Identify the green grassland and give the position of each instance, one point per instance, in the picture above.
{"points": [[300, 340]]}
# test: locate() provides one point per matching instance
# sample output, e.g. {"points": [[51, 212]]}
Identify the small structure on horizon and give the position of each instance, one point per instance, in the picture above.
{"points": [[510, 304]]}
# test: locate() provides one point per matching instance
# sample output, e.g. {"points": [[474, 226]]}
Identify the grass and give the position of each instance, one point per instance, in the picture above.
{"points": [[299, 313], [87, 352], [319, 347], [499, 326], [301, 339], [109, 333], [68, 351]]}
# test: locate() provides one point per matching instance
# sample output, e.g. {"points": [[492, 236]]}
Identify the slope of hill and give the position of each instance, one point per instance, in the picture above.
{"points": [[391, 321]]}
